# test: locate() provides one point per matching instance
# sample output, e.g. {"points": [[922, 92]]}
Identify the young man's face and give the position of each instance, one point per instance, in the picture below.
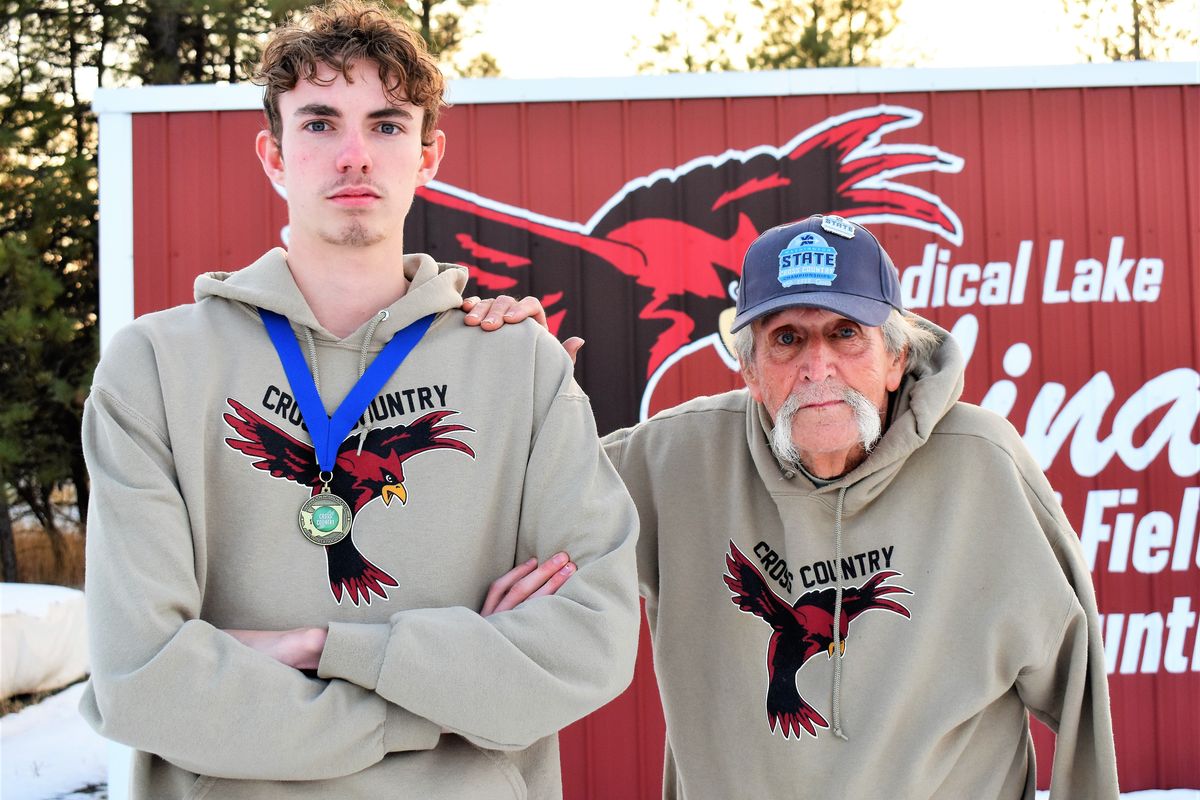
{"points": [[349, 159]]}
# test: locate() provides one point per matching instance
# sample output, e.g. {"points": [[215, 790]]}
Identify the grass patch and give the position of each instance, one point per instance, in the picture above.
{"points": [[36, 562], [12, 705]]}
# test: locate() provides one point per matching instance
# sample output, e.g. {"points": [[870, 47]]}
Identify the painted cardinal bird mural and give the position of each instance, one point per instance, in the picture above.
{"points": [[660, 260], [362, 474], [801, 631]]}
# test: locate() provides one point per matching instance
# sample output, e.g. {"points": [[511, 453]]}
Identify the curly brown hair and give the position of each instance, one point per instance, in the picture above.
{"points": [[340, 33]]}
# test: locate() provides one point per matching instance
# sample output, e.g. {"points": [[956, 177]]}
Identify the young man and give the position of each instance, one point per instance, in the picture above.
{"points": [[870, 583], [303, 484]]}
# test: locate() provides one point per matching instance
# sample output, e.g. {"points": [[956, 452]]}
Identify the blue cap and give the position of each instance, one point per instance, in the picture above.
{"points": [[822, 262]]}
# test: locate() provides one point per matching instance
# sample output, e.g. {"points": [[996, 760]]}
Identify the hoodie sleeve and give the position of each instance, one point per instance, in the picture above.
{"points": [[1068, 690], [164, 680], [510, 679], [620, 448]]}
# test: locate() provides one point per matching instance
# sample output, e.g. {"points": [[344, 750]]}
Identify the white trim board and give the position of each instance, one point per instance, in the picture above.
{"points": [[116, 223], [842, 80]]}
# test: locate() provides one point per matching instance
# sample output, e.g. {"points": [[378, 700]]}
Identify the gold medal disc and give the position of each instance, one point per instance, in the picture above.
{"points": [[325, 519]]}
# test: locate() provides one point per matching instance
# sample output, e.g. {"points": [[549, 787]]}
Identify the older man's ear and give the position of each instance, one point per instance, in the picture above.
{"points": [[895, 372], [493, 313]]}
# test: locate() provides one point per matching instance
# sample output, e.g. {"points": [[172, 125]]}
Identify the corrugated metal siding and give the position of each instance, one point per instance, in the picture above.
{"points": [[1077, 165], [201, 202]]}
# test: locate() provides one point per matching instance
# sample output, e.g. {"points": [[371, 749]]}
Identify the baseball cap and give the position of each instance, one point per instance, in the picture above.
{"points": [[824, 261]]}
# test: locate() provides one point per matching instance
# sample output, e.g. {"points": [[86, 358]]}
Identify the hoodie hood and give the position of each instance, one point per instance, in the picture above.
{"points": [[268, 283], [923, 398]]}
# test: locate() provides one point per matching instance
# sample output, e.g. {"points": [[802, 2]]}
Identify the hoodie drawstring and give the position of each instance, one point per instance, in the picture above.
{"points": [[837, 619], [368, 337], [312, 359]]}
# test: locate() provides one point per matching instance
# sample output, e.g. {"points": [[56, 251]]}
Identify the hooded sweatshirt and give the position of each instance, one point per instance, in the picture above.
{"points": [[965, 605], [479, 453]]}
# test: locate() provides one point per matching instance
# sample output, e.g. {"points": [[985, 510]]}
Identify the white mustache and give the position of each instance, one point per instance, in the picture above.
{"points": [[865, 414], [817, 393]]}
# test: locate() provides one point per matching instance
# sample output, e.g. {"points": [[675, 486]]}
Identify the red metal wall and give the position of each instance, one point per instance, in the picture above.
{"points": [[1114, 379]]}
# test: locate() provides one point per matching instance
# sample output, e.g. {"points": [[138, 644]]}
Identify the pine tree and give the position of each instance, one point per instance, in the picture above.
{"points": [[446, 25], [193, 41], [773, 34], [47, 254], [1133, 30]]}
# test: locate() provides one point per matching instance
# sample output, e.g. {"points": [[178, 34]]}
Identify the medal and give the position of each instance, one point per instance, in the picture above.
{"points": [[325, 518]]}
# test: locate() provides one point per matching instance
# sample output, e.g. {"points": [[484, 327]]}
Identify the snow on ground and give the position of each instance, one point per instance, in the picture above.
{"points": [[47, 752], [43, 638]]}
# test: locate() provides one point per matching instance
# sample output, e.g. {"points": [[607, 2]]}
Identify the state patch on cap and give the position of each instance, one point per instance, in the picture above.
{"points": [[839, 225], [807, 259]]}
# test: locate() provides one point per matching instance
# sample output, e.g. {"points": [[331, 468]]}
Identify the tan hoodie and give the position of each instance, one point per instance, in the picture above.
{"points": [[966, 605], [194, 445]]}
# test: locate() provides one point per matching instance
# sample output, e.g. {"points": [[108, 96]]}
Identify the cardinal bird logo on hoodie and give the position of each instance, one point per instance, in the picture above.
{"points": [[665, 252], [365, 471], [801, 630]]}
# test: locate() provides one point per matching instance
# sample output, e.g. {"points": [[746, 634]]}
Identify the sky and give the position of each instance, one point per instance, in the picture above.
{"points": [[583, 38]]}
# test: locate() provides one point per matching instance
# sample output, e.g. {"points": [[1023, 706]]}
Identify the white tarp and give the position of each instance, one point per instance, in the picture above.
{"points": [[43, 640]]}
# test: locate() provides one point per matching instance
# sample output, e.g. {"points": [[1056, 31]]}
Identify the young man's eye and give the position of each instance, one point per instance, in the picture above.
{"points": [[317, 126], [390, 129]]}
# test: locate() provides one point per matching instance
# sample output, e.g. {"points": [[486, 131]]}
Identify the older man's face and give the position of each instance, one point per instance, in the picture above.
{"points": [[816, 355]]}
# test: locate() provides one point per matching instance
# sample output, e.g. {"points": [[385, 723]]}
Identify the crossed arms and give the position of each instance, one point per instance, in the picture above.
{"points": [[301, 648]]}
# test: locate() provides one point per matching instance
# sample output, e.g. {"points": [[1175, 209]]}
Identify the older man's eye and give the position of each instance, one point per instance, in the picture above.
{"points": [[787, 337]]}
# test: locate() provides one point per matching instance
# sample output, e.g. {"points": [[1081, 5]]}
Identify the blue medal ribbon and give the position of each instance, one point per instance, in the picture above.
{"points": [[327, 432]]}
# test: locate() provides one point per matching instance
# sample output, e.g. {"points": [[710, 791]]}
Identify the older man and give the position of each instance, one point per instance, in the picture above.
{"points": [[857, 585]]}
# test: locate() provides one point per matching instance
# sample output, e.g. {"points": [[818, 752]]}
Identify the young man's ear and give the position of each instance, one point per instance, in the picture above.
{"points": [[431, 158], [269, 154]]}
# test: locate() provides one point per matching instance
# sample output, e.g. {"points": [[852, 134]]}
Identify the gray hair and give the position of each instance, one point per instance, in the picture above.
{"points": [[902, 331]]}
